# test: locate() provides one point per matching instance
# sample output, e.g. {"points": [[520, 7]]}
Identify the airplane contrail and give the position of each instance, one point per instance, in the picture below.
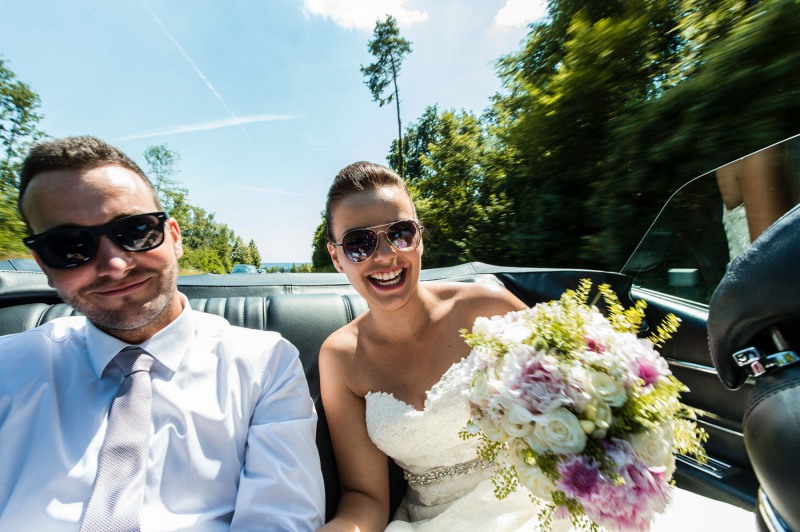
{"points": [[205, 126], [188, 59]]}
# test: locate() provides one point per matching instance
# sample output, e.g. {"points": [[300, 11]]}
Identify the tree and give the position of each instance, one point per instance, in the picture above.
{"points": [[162, 164], [419, 136], [320, 258], [388, 48], [255, 256], [19, 121], [240, 253], [565, 91]]}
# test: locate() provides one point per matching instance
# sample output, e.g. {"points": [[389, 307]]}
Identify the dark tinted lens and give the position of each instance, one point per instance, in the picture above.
{"points": [[359, 245], [66, 248], [403, 235], [138, 233]]}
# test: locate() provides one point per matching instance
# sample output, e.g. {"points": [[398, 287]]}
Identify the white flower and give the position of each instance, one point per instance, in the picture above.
{"points": [[561, 431], [537, 482], [483, 327], [611, 391], [517, 450], [654, 448], [516, 332], [490, 429], [479, 390], [517, 421], [599, 413]]}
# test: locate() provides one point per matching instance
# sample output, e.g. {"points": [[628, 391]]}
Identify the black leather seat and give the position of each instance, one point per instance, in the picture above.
{"points": [[754, 334]]}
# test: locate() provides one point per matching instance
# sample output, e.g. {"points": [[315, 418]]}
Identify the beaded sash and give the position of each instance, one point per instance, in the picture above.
{"points": [[440, 473]]}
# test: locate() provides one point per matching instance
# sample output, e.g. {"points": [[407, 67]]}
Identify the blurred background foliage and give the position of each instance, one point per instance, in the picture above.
{"points": [[606, 109]]}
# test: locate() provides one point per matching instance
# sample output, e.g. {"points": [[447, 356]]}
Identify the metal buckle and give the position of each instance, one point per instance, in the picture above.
{"points": [[759, 364]]}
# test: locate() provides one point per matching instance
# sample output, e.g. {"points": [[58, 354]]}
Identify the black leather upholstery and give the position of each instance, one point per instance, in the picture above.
{"points": [[304, 308], [759, 290], [760, 293]]}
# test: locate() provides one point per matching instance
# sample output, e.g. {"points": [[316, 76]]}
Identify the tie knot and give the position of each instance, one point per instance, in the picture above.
{"points": [[132, 359]]}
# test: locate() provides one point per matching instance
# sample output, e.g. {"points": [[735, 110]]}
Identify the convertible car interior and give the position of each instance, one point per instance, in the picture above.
{"points": [[305, 308], [727, 270]]}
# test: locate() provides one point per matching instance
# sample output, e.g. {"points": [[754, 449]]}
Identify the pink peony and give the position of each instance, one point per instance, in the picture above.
{"points": [[632, 505], [594, 345], [580, 477], [541, 386], [648, 371]]}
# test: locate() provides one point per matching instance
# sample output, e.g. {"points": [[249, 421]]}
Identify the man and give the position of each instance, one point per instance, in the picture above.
{"points": [[227, 435]]}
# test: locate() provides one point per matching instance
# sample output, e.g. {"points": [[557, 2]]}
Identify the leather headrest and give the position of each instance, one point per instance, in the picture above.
{"points": [[760, 289]]}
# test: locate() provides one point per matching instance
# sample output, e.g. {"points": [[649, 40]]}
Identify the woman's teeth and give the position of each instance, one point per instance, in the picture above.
{"points": [[387, 278]]}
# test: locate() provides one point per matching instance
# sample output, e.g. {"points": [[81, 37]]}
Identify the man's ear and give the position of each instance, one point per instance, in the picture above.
{"points": [[334, 257], [175, 233]]}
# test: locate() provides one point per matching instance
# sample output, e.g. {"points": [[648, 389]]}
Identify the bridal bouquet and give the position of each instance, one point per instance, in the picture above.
{"points": [[574, 406]]}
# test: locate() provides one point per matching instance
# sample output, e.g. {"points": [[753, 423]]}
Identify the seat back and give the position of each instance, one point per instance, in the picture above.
{"points": [[754, 333]]}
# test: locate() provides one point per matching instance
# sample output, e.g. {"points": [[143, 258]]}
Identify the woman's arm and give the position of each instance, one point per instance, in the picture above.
{"points": [[363, 468]]}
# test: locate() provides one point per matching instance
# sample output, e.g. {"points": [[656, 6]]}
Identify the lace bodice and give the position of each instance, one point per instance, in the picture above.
{"points": [[423, 440]]}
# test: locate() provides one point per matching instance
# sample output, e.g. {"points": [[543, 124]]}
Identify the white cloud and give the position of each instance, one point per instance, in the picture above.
{"points": [[517, 13], [205, 126], [362, 14]]}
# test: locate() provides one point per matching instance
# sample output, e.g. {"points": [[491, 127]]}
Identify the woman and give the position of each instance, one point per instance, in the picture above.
{"points": [[391, 378]]}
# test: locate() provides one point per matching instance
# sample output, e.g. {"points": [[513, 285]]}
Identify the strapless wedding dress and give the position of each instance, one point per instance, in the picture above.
{"points": [[449, 490]]}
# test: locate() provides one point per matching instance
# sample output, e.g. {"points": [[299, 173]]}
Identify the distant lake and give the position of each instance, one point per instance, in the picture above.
{"points": [[281, 265]]}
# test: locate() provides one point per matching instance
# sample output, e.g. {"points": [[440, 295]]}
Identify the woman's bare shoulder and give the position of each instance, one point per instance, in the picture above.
{"points": [[479, 298], [340, 346]]}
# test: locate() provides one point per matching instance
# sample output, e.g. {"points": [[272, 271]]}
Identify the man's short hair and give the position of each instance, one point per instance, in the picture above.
{"points": [[74, 153]]}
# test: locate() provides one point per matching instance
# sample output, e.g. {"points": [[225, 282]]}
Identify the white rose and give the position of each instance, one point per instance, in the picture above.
{"points": [[535, 442], [517, 421], [561, 431], [654, 448], [482, 326], [516, 332], [479, 390], [537, 482], [490, 429], [517, 450], [607, 388]]}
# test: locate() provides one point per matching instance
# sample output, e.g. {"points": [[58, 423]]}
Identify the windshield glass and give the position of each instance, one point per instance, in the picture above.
{"points": [[530, 133], [713, 218]]}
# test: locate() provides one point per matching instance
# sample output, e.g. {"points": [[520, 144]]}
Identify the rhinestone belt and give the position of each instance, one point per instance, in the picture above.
{"points": [[440, 473]]}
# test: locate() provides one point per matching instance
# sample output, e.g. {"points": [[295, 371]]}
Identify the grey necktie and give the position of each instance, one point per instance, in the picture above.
{"points": [[118, 490]]}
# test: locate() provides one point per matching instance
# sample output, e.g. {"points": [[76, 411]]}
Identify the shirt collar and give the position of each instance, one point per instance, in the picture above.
{"points": [[167, 346]]}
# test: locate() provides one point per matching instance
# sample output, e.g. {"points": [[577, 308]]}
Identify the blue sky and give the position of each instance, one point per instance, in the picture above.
{"points": [[263, 99]]}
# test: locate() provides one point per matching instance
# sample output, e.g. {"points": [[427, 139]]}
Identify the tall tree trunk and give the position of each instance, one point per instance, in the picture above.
{"points": [[399, 125]]}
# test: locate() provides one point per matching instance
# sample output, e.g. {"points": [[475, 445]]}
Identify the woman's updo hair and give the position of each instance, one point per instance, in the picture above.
{"points": [[358, 177]]}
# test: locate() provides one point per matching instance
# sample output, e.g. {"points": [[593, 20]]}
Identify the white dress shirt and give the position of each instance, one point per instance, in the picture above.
{"points": [[233, 443]]}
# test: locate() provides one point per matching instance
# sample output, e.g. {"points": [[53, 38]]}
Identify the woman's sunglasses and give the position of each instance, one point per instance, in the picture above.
{"points": [[69, 247], [360, 244]]}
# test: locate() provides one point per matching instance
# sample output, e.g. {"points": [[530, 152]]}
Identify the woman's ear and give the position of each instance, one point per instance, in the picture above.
{"points": [[334, 257]]}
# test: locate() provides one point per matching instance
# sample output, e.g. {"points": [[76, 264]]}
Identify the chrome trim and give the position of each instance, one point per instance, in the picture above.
{"points": [[718, 427], [691, 365], [771, 518], [712, 466]]}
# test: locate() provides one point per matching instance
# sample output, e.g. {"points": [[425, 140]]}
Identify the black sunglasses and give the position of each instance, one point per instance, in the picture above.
{"points": [[360, 244], [70, 247]]}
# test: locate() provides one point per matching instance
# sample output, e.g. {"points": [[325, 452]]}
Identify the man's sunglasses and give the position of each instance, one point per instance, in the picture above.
{"points": [[70, 247], [360, 244]]}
